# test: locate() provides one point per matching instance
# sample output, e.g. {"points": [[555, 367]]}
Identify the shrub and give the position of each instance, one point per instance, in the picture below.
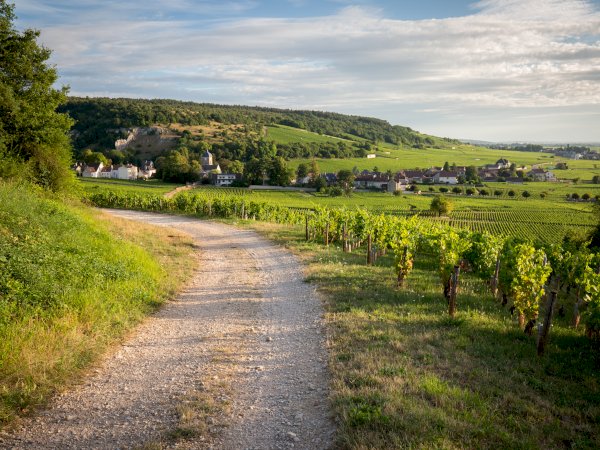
{"points": [[511, 193], [443, 190], [526, 194], [441, 205]]}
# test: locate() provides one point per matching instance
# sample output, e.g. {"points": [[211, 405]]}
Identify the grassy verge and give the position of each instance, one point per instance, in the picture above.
{"points": [[72, 282], [406, 376]]}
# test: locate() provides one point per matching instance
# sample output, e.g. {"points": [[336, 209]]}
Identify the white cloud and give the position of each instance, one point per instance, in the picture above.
{"points": [[508, 54]]}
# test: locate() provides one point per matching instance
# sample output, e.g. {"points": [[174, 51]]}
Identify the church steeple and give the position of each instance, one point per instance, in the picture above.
{"points": [[206, 159]]}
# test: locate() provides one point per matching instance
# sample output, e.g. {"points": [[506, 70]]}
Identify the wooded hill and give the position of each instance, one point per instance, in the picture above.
{"points": [[100, 121]]}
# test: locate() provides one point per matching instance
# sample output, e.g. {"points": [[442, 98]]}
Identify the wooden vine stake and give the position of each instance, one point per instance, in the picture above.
{"points": [[369, 250], [576, 313], [306, 227], [345, 237], [453, 290], [544, 331], [494, 283], [327, 234]]}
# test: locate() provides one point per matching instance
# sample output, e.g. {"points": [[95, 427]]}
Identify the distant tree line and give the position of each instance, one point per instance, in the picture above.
{"points": [[100, 121]]}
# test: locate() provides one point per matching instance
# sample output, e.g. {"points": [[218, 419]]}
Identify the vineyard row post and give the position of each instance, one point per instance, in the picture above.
{"points": [[544, 329], [453, 291]]}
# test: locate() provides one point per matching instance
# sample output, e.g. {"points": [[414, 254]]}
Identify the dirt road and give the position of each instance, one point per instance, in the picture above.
{"points": [[240, 355]]}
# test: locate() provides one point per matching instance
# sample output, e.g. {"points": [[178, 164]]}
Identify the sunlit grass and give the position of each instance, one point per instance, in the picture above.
{"points": [[72, 282]]}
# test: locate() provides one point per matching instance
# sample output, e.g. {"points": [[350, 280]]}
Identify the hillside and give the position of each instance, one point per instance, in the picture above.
{"points": [[101, 121]]}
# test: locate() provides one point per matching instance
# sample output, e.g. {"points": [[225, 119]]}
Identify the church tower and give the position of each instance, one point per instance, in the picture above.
{"points": [[206, 159]]}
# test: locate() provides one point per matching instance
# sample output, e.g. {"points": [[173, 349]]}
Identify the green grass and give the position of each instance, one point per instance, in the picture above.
{"points": [[91, 185], [282, 134], [407, 376], [394, 158], [71, 283]]}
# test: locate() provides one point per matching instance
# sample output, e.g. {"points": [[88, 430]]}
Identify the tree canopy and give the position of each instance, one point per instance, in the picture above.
{"points": [[34, 139]]}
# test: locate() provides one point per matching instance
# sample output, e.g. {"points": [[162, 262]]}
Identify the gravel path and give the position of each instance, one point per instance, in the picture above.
{"points": [[239, 355]]}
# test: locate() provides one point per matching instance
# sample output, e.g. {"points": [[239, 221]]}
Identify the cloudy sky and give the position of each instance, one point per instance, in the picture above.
{"points": [[498, 70]]}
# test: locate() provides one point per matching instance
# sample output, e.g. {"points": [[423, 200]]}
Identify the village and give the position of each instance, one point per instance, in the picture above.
{"points": [[210, 173], [502, 171]]}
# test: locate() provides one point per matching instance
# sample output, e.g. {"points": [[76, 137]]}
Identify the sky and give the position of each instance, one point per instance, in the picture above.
{"points": [[493, 70]]}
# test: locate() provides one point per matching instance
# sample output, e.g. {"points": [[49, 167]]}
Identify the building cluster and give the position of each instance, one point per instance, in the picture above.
{"points": [[402, 179], [210, 170], [120, 172]]}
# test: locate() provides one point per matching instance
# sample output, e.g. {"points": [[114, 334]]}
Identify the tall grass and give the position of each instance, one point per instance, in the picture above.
{"points": [[69, 287]]}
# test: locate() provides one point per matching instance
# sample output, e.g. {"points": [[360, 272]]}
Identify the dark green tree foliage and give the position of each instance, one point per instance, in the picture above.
{"points": [[278, 172], [441, 205], [345, 180], [34, 138], [102, 120]]}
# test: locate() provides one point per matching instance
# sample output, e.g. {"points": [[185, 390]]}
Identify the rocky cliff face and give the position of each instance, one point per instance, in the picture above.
{"points": [[148, 141]]}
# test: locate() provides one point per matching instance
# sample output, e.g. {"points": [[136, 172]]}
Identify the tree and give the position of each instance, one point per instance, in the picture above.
{"points": [[117, 156], [255, 171], [315, 173], [229, 166], [345, 180], [446, 166], [279, 173], [471, 174], [441, 205], [34, 138], [301, 171], [94, 158]]}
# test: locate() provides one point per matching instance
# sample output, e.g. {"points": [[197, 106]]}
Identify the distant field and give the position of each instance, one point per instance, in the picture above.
{"points": [[140, 187], [282, 134], [393, 158]]}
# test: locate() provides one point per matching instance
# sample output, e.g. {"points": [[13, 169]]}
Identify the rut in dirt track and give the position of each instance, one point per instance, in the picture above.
{"points": [[247, 324]]}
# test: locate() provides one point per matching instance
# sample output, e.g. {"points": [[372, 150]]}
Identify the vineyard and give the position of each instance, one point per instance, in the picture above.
{"points": [[547, 221], [407, 235]]}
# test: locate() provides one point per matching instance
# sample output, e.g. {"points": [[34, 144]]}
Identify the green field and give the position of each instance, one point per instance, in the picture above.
{"points": [[393, 158], [282, 134], [140, 187]]}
